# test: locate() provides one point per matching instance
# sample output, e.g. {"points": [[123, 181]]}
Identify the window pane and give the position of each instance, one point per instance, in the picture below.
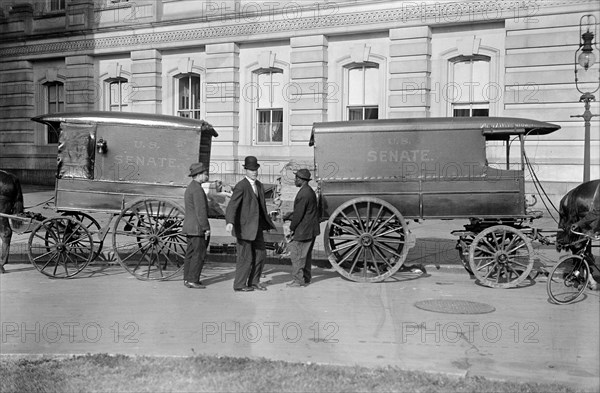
{"points": [[124, 90], [270, 88], [371, 86], [461, 112], [483, 112], [277, 90], [277, 128], [462, 79], [195, 98], [114, 94], [481, 80], [371, 113], [356, 91], [184, 93], [355, 114]]}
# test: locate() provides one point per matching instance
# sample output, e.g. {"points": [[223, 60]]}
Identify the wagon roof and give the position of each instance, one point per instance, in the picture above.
{"points": [[492, 127], [125, 118]]}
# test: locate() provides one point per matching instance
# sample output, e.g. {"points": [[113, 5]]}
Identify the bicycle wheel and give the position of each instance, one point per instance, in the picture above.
{"points": [[568, 279]]}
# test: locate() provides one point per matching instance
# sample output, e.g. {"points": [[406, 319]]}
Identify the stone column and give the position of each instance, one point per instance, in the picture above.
{"points": [[410, 72], [308, 87], [17, 104], [146, 81], [222, 87], [81, 88]]}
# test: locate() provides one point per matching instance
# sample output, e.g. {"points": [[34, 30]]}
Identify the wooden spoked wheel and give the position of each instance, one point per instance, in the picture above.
{"points": [[501, 256], [365, 239], [92, 226], [463, 246], [60, 247], [147, 239]]}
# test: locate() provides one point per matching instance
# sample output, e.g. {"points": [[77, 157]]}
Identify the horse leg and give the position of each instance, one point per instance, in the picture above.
{"points": [[5, 235]]}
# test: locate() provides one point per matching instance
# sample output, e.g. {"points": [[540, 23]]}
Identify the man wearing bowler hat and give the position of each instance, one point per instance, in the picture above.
{"points": [[195, 226], [247, 217], [304, 229]]}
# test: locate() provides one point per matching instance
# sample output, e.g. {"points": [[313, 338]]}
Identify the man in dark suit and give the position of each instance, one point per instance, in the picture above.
{"points": [[195, 226], [247, 217], [304, 229]]}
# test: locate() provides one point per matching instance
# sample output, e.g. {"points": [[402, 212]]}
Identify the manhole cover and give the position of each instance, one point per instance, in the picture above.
{"points": [[449, 306]]}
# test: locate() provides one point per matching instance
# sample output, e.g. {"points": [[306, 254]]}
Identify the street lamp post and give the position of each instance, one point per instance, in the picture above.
{"points": [[585, 58]]}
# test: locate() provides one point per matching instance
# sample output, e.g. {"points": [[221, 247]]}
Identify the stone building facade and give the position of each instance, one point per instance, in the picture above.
{"points": [[261, 72]]}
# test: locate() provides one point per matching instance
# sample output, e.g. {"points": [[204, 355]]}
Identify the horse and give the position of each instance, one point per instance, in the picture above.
{"points": [[579, 209], [11, 202]]}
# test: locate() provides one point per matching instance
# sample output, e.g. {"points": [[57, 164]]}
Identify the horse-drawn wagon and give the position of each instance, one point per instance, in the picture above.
{"points": [[132, 166], [374, 175]]}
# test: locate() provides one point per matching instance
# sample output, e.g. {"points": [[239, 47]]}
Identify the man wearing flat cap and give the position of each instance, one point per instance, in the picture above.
{"points": [[195, 226], [304, 229], [246, 218]]}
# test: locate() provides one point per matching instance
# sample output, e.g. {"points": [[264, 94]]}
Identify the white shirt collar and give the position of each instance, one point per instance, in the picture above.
{"points": [[252, 182]]}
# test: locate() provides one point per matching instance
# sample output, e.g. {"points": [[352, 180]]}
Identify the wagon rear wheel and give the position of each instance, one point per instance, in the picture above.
{"points": [[365, 239], [60, 247], [501, 256], [147, 239]]}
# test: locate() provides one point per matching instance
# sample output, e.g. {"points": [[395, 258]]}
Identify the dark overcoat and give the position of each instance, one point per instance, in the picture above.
{"points": [[247, 211], [195, 222], [305, 218]]}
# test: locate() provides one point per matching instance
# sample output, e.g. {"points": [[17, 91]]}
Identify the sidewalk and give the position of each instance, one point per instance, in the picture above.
{"points": [[415, 322]]}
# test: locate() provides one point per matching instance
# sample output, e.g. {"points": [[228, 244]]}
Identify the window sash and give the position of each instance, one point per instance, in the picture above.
{"points": [[117, 95], [56, 5], [363, 93], [55, 101], [470, 78], [189, 96], [363, 112]]}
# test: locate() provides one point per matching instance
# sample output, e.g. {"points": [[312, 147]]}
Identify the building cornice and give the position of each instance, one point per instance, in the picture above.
{"points": [[405, 15]]}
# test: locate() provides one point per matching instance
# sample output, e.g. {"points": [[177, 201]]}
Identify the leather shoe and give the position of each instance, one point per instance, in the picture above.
{"points": [[294, 284], [259, 287], [244, 289], [195, 285]]}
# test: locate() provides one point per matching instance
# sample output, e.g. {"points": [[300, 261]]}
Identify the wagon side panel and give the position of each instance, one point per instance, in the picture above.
{"points": [[138, 161]]}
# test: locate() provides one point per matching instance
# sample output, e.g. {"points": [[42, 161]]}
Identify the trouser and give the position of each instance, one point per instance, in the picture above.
{"points": [[301, 256], [251, 257], [195, 254]]}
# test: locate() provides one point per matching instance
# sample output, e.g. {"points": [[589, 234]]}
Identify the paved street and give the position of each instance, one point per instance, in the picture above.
{"points": [[508, 333]]}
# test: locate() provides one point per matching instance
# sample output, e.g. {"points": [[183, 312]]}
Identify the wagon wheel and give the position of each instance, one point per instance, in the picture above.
{"points": [[147, 239], [365, 239], [462, 246], [60, 247], [92, 226], [501, 256]]}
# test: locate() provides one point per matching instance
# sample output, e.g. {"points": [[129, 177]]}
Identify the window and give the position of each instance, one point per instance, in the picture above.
{"points": [[55, 101], [56, 5], [470, 82], [117, 94], [189, 97], [269, 108], [362, 92]]}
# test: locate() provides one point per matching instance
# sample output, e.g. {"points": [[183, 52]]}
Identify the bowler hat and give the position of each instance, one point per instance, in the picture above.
{"points": [[303, 174], [196, 168], [251, 163]]}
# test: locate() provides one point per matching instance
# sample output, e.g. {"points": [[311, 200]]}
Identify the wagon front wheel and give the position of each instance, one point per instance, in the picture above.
{"points": [[60, 247], [147, 239], [366, 240], [501, 256]]}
